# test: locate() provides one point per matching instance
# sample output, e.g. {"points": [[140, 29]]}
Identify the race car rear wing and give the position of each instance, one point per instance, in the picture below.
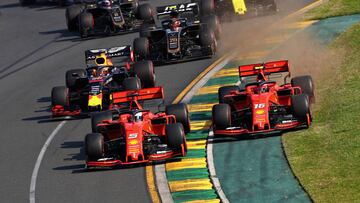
{"points": [[138, 95], [180, 8], [110, 52], [265, 68]]}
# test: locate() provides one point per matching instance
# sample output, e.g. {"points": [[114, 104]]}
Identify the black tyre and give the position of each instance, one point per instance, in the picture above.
{"points": [[72, 75], [131, 83], [145, 71], [72, 13], [221, 116], [175, 135], [208, 41], [306, 84], [181, 112], [213, 22], [141, 48], [145, 13], [207, 7], [98, 117], [59, 96], [27, 2], [86, 24], [225, 91], [94, 146], [300, 106]]}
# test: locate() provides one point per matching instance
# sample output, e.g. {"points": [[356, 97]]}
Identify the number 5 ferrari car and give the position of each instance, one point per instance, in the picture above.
{"points": [[260, 105], [130, 134]]}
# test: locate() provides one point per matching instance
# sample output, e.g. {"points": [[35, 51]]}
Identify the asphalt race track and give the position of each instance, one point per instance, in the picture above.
{"points": [[36, 51]]}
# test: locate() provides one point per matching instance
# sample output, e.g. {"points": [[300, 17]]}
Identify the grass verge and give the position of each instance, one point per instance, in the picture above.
{"points": [[334, 8], [325, 158]]}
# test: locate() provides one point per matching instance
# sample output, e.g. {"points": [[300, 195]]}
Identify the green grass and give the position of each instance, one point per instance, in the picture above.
{"points": [[326, 158], [334, 8]]}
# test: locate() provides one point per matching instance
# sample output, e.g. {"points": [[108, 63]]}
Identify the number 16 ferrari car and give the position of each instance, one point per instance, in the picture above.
{"points": [[133, 135], [263, 106]]}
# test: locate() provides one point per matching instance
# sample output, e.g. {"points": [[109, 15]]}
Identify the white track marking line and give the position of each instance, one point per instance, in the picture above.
{"points": [[39, 159], [211, 167]]}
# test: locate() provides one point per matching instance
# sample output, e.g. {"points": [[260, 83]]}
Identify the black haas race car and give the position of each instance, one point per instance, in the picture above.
{"points": [[107, 17], [230, 9], [182, 35], [129, 134], [90, 89]]}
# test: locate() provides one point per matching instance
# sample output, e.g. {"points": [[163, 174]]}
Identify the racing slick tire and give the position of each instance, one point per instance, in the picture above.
{"points": [[26, 2], [181, 113], [59, 96], [208, 41], [214, 23], [131, 83], [300, 106], [225, 91], [72, 75], [306, 84], [72, 13], [145, 13], [175, 135], [207, 7], [86, 24], [141, 48], [221, 116], [94, 146], [98, 117], [145, 71]]}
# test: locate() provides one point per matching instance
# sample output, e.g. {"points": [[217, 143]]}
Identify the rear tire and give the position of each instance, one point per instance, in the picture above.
{"points": [[300, 106], [221, 116], [72, 75], [145, 71], [94, 146], [86, 24], [72, 14], [207, 7], [213, 22], [131, 83], [306, 84], [175, 135], [145, 13], [59, 96], [181, 113], [141, 48], [225, 91], [98, 117], [208, 41]]}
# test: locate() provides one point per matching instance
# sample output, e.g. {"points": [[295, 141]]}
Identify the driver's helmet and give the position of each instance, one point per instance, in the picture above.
{"points": [[94, 72], [105, 4], [138, 117], [104, 71]]}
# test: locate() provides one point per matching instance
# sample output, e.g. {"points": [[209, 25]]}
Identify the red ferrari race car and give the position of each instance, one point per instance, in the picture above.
{"points": [[260, 105], [129, 134], [90, 89]]}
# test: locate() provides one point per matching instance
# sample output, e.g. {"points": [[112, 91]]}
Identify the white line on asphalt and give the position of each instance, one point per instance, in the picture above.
{"points": [[39, 159], [211, 167]]}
